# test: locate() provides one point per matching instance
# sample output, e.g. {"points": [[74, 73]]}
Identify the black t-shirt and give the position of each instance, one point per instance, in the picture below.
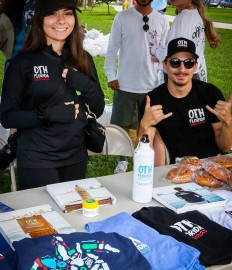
{"points": [[193, 228], [188, 132]]}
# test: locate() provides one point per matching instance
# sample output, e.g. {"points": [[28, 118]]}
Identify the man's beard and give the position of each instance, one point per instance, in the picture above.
{"points": [[143, 5], [180, 73]]}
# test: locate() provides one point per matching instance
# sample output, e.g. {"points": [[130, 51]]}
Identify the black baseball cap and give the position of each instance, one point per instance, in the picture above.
{"points": [[181, 45], [48, 6]]}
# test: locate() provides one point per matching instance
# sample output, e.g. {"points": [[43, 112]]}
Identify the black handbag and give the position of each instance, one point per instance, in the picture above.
{"points": [[8, 152], [95, 136]]}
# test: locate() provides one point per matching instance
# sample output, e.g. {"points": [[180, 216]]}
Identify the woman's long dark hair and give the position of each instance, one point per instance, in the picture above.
{"points": [[36, 41]]}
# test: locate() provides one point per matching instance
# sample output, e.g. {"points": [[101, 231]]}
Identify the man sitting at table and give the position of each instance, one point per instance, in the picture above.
{"points": [[189, 116]]}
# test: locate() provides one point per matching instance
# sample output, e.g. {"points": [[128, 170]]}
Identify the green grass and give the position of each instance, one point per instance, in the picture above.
{"points": [[218, 65], [5, 184], [223, 15], [98, 18], [99, 63]]}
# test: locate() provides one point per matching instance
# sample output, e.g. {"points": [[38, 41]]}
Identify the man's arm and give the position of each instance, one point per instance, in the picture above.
{"points": [[223, 129], [223, 136], [159, 148], [152, 116], [114, 85], [156, 143], [112, 50]]}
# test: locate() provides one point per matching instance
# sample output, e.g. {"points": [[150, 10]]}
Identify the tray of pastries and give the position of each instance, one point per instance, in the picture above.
{"points": [[211, 172]]}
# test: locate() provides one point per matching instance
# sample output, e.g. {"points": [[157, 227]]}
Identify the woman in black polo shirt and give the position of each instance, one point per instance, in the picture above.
{"points": [[45, 90]]}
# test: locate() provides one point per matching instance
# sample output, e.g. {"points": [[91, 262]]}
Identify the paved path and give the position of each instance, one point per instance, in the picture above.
{"points": [[216, 24], [171, 18]]}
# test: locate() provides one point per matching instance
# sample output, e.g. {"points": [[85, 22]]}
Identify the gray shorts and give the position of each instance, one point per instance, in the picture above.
{"points": [[126, 107]]}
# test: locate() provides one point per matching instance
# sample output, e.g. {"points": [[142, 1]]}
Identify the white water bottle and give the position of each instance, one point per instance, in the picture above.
{"points": [[143, 171]]}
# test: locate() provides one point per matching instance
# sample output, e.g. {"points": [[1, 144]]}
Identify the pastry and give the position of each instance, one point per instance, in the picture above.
{"points": [[223, 160], [180, 174], [217, 171], [194, 162], [205, 179]]}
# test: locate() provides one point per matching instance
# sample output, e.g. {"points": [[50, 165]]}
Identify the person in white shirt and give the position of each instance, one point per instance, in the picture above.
{"points": [[133, 35], [192, 23], [159, 5]]}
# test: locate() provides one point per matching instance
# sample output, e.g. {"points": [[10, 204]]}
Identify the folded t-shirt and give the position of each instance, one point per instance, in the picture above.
{"points": [[6, 264], [8, 259], [193, 228], [163, 252], [100, 250], [221, 215]]}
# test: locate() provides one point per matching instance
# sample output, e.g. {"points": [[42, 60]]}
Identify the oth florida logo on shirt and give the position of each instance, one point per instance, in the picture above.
{"points": [[189, 228], [196, 116], [41, 73]]}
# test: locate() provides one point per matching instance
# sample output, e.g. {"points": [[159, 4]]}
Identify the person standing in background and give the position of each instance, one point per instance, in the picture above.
{"points": [[42, 100], [159, 5], [18, 13], [133, 34], [192, 23], [6, 35], [125, 5]]}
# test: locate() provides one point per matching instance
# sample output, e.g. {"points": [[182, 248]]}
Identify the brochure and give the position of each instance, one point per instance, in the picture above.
{"points": [[70, 195], [4, 246], [32, 222], [187, 197]]}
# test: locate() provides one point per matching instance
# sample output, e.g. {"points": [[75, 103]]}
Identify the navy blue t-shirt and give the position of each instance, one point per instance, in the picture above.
{"points": [[8, 260], [81, 250]]}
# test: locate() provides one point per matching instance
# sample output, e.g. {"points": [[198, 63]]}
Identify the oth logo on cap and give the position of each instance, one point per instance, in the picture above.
{"points": [[182, 43]]}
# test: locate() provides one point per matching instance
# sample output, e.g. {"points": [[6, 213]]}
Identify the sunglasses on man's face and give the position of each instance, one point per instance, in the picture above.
{"points": [[146, 26], [188, 63]]}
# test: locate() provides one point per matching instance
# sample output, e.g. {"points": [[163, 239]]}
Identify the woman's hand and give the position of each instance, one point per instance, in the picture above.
{"points": [[76, 107], [64, 73], [59, 113]]}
